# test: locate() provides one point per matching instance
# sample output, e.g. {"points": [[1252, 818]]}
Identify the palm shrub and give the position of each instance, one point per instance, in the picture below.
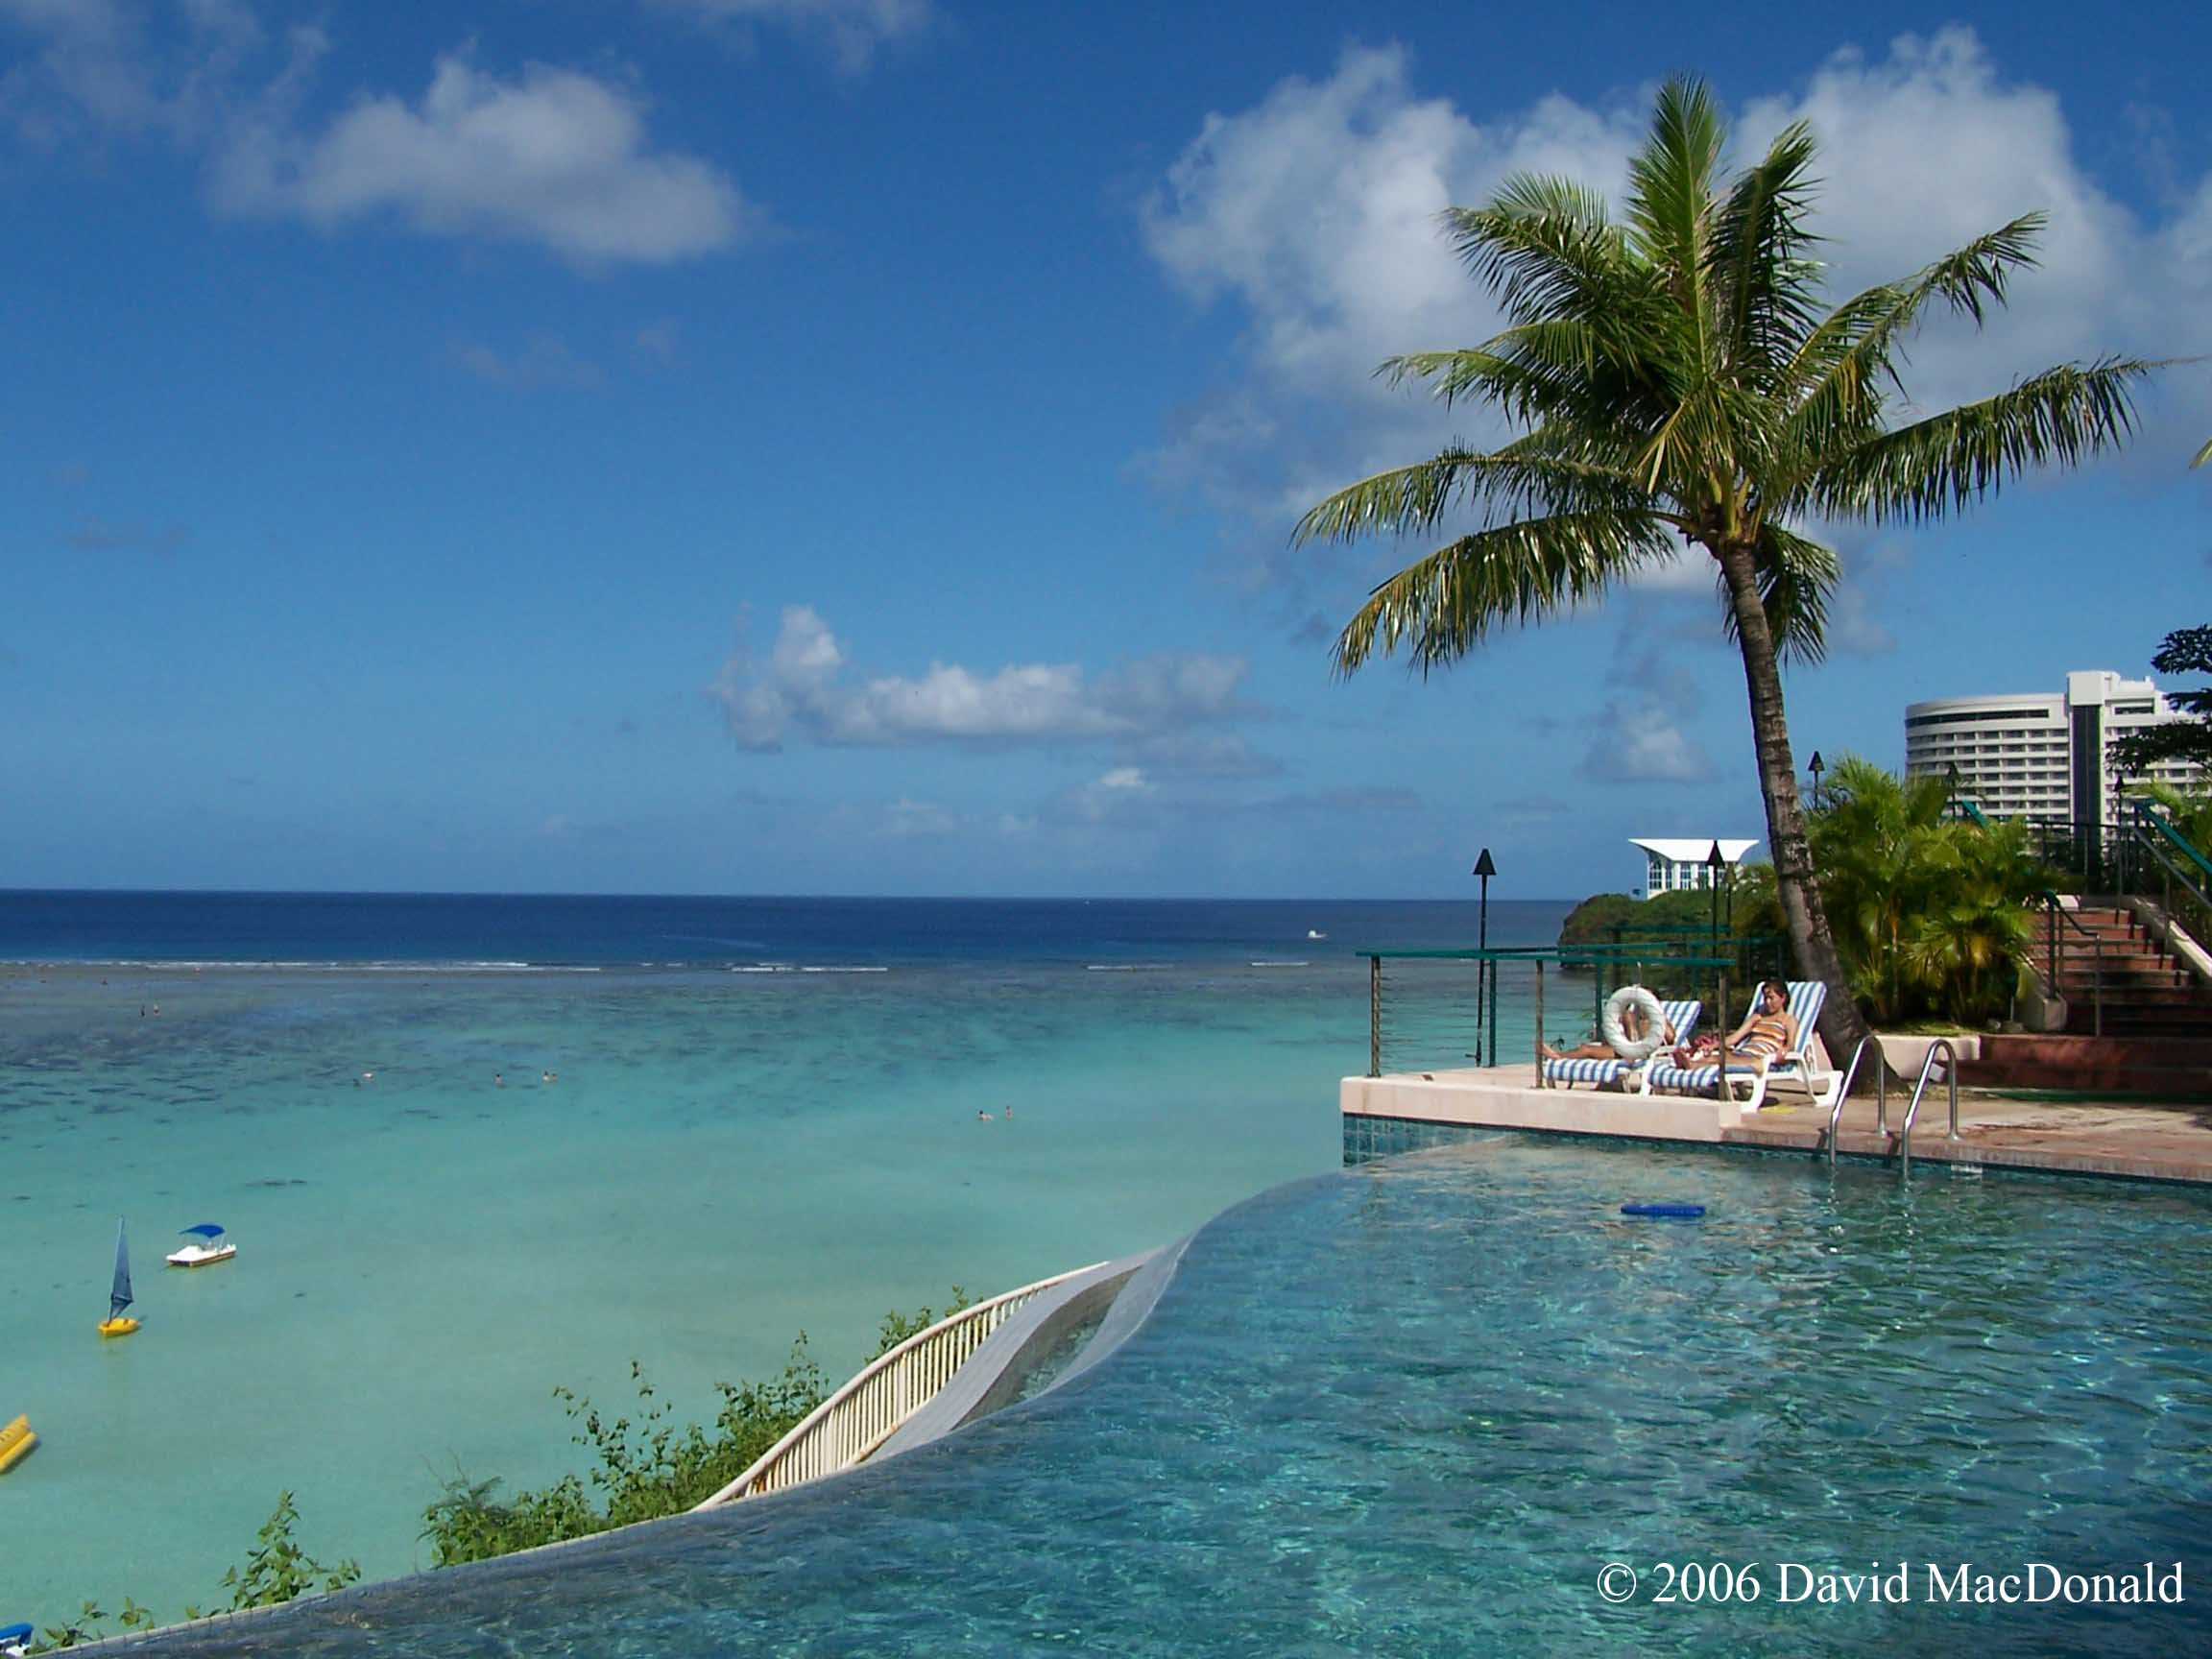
{"points": [[1934, 914], [1679, 383]]}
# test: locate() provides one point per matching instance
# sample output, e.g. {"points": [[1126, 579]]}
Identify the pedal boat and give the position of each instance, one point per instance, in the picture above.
{"points": [[207, 1247]]}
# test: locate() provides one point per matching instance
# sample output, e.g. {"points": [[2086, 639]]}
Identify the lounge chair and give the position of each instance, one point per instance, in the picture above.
{"points": [[1800, 1067], [1682, 1016]]}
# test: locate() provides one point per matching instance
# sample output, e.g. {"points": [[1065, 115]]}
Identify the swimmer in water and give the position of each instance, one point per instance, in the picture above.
{"points": [[499, 1079], [983, 1117]]}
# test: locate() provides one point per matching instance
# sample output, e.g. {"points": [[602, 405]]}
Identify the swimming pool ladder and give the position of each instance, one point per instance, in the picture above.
{"points": [[1882, 1095], [1920, 1088]]}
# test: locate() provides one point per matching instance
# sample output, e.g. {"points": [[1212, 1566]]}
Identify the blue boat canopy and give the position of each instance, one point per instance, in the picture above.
{"points": [[205, 1230], [15, 1632]]}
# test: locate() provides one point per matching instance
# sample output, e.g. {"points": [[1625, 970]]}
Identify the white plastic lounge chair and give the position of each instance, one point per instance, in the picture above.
{"points": [[1795, 1067], [1682, 1016]]}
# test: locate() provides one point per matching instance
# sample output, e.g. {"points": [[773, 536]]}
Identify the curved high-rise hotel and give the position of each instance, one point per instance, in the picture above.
{"points": [[2041, 755]]}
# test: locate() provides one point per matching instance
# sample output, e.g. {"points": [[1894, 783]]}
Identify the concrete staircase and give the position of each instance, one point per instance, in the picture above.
{"points": [[2146, 992], [2156, 1018]]}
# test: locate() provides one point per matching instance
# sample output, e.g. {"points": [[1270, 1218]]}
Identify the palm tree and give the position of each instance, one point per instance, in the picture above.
{"points": [[1678, 387]]}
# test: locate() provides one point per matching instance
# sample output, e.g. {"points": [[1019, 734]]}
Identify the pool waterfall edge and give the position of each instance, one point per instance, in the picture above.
{"points": [[1118, 1295]]}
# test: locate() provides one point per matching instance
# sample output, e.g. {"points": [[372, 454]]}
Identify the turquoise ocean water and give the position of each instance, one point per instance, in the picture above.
{"points": [[734, 1149]]}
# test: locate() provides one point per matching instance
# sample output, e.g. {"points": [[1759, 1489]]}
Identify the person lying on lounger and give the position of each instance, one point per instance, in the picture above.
{"points": [[1632, 1028], [1768, 1032]]}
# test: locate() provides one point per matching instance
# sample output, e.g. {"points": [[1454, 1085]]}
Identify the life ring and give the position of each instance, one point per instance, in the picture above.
{"points": [[1654, 1022]]}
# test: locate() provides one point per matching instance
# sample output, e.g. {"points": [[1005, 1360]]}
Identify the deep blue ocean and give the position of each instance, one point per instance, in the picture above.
{"points": [[555, 931]]}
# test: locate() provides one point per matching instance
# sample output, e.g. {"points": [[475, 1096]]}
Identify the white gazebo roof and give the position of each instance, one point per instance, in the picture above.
{"points": [[1676, 850]]}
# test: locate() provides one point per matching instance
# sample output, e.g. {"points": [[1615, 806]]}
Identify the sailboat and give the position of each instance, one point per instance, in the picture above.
{"points": [[119, 1293]]}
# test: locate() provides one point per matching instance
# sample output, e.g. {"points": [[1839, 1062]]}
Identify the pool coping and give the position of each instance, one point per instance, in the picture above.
{"points": [[1504, 1099]]}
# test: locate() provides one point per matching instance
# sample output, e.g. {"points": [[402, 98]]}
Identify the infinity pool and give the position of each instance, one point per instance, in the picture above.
{"points": [[1421, 1406]]}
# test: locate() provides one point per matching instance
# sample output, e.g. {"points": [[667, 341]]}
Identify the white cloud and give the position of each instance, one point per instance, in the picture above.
{"points": [[803, 691], [1638, 735], [908, 820], [549, 157], [98, 67], [1312, 213], [545, 361], [1642, 743], [853, 28]]}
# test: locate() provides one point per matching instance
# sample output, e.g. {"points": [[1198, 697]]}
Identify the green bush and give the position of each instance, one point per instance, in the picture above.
{"points": [[645, 1468], [641, 1470], [1931, 914]]}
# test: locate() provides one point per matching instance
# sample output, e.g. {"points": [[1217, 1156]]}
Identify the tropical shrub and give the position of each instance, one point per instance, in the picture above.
{"points": [[1934, 914], [644, 1469], [641, 1470]]}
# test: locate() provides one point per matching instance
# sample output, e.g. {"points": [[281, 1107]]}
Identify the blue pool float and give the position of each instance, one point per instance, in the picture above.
{"points": [[1684, 1212]]}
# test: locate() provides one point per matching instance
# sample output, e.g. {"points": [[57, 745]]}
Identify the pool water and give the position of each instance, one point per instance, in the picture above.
{"points": [[1418, 1406]]}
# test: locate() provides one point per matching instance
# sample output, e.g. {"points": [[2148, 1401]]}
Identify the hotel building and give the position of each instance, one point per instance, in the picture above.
{"points": [[2043, 755], [1674, 866]]}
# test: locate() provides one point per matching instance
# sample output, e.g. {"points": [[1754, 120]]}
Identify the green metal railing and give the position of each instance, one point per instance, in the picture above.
{"points": [[1432, 1009]]}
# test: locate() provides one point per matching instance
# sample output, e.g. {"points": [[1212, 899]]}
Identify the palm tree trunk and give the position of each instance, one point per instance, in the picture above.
{"points": [[1811, 945]]}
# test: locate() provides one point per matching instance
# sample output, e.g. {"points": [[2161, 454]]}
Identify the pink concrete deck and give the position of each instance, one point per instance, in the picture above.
{"points": [[2162, 1142]]}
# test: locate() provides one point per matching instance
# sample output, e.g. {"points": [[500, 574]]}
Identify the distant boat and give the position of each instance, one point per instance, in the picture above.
{"points": [[119, 1295], [1315, 934], [208, 1246]]}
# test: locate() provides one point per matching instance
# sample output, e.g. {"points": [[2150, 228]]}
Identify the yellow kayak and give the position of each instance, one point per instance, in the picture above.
{"points": [[15, 1443], [117, 1326]]}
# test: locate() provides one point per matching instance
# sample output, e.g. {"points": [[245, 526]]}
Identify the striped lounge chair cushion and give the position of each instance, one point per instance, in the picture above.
{"points": [[1807, 996], [1682, 1016]]}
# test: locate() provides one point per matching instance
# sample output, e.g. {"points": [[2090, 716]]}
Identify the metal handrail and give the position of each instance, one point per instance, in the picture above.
{"points": [[2145, 820], [1844, 1089], [2054, 912], [2146, 813], [1920, 1088], [845, 1428]]}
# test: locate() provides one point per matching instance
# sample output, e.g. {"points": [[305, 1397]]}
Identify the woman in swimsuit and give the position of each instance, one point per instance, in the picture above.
{"points": [[1770, 1032]]}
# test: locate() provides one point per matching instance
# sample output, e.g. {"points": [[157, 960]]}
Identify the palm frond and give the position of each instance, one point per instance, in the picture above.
{"points": [[1758, 258], [1545, 249], [1412, 500], [1934, 466], [1558, 369], [2204, 454], [1840, 369], [1796, 576], [1443, 606], [1671, 189]]}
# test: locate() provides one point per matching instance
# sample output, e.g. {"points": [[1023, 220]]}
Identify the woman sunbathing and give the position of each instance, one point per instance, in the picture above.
{"points": [[1632, 1029], [1766, 1034]]}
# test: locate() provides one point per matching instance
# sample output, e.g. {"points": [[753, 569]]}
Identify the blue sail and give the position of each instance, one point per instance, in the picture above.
{"points": [[119, 1297]]}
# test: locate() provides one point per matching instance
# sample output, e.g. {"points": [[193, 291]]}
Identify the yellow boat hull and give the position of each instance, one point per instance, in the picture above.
{"points": [[117, 1326], [15, 1443]]}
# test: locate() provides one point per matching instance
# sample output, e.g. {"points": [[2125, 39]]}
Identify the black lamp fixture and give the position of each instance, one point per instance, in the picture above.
{"points": [[1715, 863], [1817, 766], [1485, 971]]}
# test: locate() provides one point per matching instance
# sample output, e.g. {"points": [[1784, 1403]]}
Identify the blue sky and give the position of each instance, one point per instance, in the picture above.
{"points": [[850, 446]]}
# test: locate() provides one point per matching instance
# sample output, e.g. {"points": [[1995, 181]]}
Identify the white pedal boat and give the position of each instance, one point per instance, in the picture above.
{"points": [[207, 1247]]}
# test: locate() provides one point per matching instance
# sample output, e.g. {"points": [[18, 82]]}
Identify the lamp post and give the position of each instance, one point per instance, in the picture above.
{"points": [[1485, 976], [1713, 865], [1816, 767]]}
